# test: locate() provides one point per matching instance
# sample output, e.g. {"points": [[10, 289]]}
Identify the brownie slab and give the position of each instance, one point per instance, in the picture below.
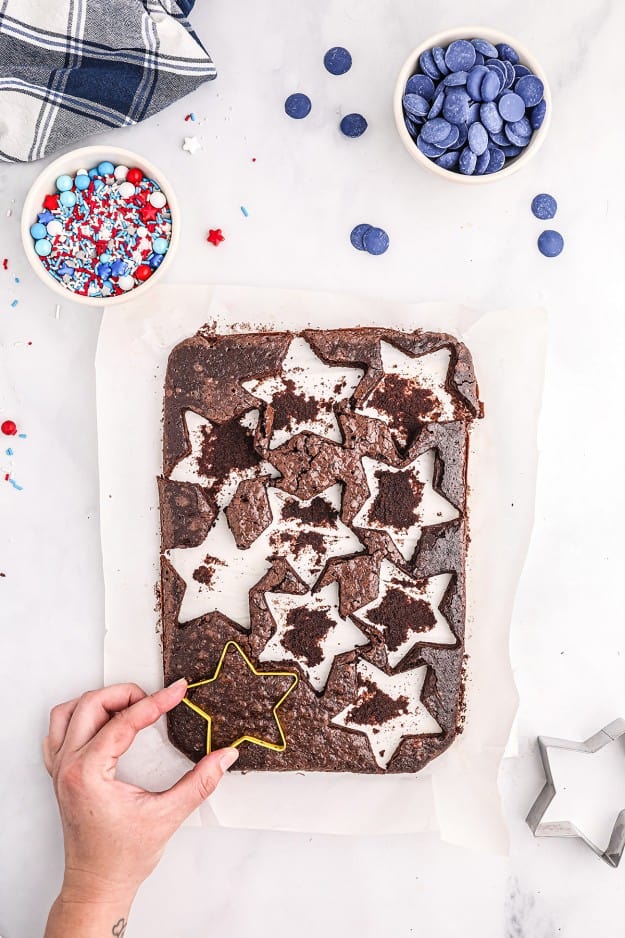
{"points": [[314, 511]]}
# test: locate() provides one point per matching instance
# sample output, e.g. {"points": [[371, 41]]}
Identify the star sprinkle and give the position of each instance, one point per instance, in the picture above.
{"points": [[310, 631], [219, 575], [209, 699], [149, 213], [403, 501], [388, 709], [412, 392], [406, 612], [304, 395], [215, 236], [191, 145]]}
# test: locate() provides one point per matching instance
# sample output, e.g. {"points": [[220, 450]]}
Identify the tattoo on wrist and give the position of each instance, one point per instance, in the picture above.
{"points": [[119, 928]]}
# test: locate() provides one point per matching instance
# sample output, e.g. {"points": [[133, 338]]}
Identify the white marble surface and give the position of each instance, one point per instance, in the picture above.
{"points": [[304, 193]]}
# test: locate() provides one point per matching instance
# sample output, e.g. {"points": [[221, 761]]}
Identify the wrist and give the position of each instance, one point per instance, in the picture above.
{"points": [[85, 887]]}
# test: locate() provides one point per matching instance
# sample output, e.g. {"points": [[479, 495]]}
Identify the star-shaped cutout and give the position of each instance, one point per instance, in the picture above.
{"points": [[540, 828], [402, 501], [234, 714], [411, 393], [191, 145], [406, 612], [203, 465], [215, 236], [310, 631], [388, 708], [304, 395], [219, 575]]}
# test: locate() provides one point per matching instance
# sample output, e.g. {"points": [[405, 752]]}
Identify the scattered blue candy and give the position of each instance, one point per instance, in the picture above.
{"points": [[544, 206], [473, 84], [45, 216], [38, 231], [43, 247], [106, 168], [550, 243], [82, 182], [160, 245], [337, 60], [354, 125], [68, 199], [155, 260], [297, 105], [118, 268], [375, 241], [93, 172], [64, 183], [104, 271], [460, 56], [357, 235]]}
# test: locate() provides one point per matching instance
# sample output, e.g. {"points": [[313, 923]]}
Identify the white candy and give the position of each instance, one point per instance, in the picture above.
{"points": [[121, 172], [54, 228], [126, 283], [82, 172], [157, 199], [126, 190], [142, 231]]}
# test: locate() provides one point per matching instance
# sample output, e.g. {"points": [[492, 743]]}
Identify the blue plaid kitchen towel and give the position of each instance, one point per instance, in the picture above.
{"points": [[70, 68]]}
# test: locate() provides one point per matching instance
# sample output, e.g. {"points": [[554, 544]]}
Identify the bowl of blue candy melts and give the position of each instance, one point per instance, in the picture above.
{"points": [[472, 105], [100, 223]]}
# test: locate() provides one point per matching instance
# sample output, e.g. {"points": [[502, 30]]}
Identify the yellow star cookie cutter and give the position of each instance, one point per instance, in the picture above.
{"points": [[277, 747]]}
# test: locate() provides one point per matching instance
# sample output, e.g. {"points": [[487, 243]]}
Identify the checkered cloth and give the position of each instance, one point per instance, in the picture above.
{"points": [[70, 68]]}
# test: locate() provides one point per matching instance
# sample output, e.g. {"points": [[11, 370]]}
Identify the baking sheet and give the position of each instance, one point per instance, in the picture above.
{"points": [[456, 794]]}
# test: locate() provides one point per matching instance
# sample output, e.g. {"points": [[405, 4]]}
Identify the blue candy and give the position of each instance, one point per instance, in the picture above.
{"points": [[507, 53], [451, 139], [510, 74], [103, 271], [98, 184], [474, 112], [421, 85], [106, 168], [82, 182], [411, 126], [485, 47], [68, 199], [455, 78], [437, 106], [494, 65], [297, 105], [337, 60], [490, 117], [550, 243], [426, 61], [544, 206], [118, 268], [428, 149], [415, 105], [531, 89], [435, 130], [474, 81], [64, 183], [490, 86], [375, 241], [499, 138], [467, 162], [45, 216], [515, 139], [522, 127], [155, 260], [481, 164], [456, 106], [38, 231], [160, 245], [357, 235], [460, 56], [438, 54], [537, 115], [520, 70], [462, 137], [93, 172], [497, 159], [511, 151], [43, 247], [478, 138], [511, 107], [354, 125], [448, 160]]}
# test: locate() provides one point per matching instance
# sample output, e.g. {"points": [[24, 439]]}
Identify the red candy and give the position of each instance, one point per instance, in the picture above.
{"points": [[215, 236], [51, 202], [9, 428], [134, 176], [143, 272], [148, 213]]}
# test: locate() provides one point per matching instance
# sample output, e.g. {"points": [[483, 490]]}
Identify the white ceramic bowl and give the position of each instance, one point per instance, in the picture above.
{"points": [[443, 39], [86, 157]]}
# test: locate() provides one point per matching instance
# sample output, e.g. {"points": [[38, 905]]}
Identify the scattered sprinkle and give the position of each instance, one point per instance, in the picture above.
{"points": [[9, 428], [191, 145], [5, 263], [14, 304], [20, 488], [9, 212], [253, 159], [17, 280], [57, 310], [245, 211], [215, 236], [9, 451], [190, 117], [22, 436]]}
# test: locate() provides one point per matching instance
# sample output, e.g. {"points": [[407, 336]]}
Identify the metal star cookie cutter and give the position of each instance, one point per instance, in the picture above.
{"points": [[616, 846], [276, 747]]}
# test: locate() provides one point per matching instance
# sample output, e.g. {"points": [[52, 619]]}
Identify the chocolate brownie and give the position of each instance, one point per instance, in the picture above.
{"points": [[368, 475]]}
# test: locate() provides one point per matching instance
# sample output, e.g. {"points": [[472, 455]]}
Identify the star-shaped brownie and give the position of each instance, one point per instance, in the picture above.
{"points": [[388, 709], [240, 702]]}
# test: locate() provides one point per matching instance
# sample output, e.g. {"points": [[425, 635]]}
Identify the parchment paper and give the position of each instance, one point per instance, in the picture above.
{"points": [[456, 794]]}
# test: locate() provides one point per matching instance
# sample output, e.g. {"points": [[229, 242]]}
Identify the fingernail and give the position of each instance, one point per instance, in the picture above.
{"points": [[177, 684], [229, 757]]}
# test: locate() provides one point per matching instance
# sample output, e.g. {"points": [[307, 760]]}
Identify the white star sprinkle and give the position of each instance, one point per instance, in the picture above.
{"points": [[191, 145], [342, 634], [307, 377], [413, 720], [430, 590], [433, 508]]}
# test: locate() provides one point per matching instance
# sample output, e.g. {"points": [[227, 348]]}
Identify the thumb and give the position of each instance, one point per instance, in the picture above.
{"points": [[199, 784]]}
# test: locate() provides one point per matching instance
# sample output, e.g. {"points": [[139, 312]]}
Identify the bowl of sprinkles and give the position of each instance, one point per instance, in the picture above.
{"points": [[100, 223], [472, 105]]}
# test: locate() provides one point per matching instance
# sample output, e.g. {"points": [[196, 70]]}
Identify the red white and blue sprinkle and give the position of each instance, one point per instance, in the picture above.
{"points": [[104, 232]]}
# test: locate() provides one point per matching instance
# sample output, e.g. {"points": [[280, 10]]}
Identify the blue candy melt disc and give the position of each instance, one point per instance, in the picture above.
{"points": [[357, 235], [337, 60], [544, 206], [550, 243], [375, 241], [297, 105]]}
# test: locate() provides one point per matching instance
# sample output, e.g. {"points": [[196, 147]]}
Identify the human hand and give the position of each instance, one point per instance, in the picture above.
{"points": [[114, 833]]}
